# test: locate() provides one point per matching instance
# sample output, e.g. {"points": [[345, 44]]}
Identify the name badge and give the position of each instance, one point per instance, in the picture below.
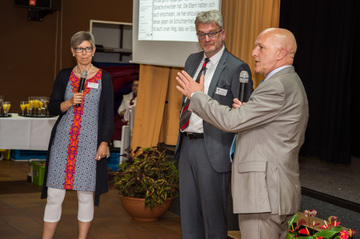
{"points": [[93, 85], [220, 91]]}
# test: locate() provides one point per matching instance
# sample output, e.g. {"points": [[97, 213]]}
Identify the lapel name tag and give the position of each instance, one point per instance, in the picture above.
{"points": [[220, 91], [93, 85]]}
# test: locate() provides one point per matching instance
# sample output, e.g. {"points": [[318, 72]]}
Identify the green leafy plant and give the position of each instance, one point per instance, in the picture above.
{"points": [[310, 229], [148, 174]]}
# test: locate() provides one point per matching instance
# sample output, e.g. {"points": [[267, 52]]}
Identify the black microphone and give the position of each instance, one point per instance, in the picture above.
{"points": [[244, 79], [82, 82]]}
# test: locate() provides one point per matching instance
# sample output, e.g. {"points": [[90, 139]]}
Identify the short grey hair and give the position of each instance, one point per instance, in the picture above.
{"points": [[210, 17], [81, 36]]}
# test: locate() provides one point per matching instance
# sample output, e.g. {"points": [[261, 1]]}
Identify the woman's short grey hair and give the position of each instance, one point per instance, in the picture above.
{"points": [[210, 17], [81, 36]]}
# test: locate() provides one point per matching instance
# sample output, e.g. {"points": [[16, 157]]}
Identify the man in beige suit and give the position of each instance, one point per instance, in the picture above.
{"points": [[270, 130]]}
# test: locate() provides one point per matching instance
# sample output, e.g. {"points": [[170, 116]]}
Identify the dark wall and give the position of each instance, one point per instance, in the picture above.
{"points": [[32, 52]]}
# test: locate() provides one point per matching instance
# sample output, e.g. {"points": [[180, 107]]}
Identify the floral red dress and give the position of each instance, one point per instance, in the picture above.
{"points": [[72, 163]]}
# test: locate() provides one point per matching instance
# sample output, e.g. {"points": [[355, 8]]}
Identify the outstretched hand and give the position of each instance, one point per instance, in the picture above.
{"points": [[188, 85]]}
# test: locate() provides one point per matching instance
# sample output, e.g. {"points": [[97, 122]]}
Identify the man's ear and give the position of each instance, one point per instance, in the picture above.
{"points": [[282, 53]]}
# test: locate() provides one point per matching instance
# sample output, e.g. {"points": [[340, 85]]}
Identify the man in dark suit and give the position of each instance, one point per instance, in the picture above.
{"points": [[270, 130], [202, 149]]}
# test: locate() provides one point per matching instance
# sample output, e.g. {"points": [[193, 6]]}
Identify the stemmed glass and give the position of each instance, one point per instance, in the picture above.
{"points": [[6, 105], [46, 103], [31, 104], [36, 110], [23, 107], [41, 105], [27, 107], [1, 102]]}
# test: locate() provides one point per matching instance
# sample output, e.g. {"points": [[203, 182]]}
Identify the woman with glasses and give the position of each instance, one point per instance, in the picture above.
{"points": [[79, 141]]}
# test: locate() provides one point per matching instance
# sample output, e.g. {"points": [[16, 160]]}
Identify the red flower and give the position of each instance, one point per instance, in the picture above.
{"points": [[352, 232], [336, 223], [344, 234], [332, 219], [325, 226], [302, 222], [310, 213], [304, 231]]}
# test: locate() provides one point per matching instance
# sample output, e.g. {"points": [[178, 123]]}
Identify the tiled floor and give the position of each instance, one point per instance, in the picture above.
{"points": [[21, 212]]}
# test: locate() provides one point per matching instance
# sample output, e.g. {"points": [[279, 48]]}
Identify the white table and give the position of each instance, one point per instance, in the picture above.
{"points": [[17, 132]]}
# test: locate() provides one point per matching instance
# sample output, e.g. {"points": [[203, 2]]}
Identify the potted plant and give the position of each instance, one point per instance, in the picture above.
{"points": [[306, 226], [148, 177]]}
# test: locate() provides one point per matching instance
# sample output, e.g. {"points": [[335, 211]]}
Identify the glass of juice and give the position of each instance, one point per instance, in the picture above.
{"points": [[31, 104], [46, 103], [41, 105], [1, 102], [22, 107], [27, 107], [36, 105], [6, 106]]}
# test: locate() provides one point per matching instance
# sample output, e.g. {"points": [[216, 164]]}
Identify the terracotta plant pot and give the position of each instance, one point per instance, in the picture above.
{"points": [[135, 208]]}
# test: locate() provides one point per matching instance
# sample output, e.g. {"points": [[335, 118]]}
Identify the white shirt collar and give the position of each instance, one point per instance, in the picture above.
{"points": [[216, 58]]}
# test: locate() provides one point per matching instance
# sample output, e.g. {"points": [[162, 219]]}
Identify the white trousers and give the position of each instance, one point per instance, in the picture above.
{"points": [[55, 199]]}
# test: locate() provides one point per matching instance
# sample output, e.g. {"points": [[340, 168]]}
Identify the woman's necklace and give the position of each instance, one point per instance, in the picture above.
{"points": [[77, 73]]}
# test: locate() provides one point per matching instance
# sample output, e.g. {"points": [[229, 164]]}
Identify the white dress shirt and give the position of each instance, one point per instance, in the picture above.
{"points": [[196, 123]]}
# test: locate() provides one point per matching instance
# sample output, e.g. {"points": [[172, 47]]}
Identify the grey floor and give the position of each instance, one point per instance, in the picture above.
{"points": [[342, 181], [338, 181]]}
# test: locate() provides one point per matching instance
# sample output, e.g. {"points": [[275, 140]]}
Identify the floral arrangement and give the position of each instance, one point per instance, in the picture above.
{"points": [[309, 227]]}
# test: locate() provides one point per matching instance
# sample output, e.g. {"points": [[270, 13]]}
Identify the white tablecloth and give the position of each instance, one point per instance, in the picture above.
{"points": [[19, 132]]}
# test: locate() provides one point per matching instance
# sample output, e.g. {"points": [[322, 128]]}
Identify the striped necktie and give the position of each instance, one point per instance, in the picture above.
{"points": [[185, 113]]}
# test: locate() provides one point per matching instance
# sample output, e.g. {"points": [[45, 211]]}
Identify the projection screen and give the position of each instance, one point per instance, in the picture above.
{"points": [[164, 30]]}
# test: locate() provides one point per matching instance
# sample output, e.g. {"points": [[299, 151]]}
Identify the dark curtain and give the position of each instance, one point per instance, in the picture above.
{"points": [[355, 89], [326, 60]]}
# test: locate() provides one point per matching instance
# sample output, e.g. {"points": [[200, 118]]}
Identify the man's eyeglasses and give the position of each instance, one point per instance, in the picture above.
{"points": [[210, 35], [80, 49]]}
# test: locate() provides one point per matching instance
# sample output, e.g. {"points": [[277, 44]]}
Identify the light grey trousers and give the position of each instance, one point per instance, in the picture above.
{"points": [[263, 225]]}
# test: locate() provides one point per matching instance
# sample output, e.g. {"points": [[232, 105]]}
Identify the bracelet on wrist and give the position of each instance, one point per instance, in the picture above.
{"points": [[67, 104]]}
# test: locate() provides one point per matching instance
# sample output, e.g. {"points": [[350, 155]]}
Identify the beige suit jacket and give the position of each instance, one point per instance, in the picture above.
{"points": [[270, 130]]}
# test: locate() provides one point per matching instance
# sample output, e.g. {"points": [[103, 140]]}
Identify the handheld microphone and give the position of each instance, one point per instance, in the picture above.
{"points": [[82, 82], [244, 79]]}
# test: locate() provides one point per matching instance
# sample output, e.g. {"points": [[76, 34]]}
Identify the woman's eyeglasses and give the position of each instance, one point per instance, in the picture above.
{"points": [[80, 49]]}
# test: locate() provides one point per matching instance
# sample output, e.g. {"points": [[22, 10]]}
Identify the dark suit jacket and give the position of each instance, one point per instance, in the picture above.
{"points": [[226, 76]]}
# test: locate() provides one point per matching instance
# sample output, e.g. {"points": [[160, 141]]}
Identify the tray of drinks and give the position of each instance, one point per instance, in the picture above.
{"points": [[5, 115], [36, 116]]}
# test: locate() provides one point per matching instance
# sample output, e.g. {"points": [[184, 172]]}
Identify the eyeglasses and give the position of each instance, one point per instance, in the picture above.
{"points": [[80, 49], [210, 35]]}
